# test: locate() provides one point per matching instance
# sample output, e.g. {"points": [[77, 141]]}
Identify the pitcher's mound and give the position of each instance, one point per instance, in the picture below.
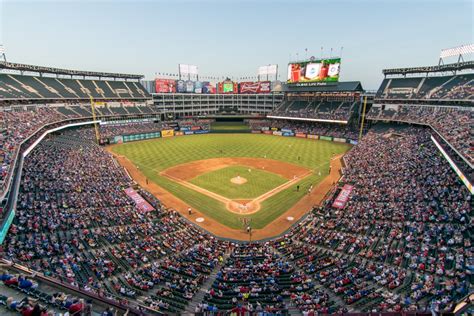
{"points": [[238, 180]]}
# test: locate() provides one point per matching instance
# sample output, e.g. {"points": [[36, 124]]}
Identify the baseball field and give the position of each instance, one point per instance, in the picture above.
{"points": [[232, 179]]}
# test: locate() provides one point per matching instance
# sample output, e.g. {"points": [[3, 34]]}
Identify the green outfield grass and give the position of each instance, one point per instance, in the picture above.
{"points": [[153, 156], [258, 182], [229, 126]]}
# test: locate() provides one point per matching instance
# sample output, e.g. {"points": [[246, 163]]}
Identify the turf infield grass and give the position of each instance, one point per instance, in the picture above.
{"points": [[155, 155], [258, 182]]}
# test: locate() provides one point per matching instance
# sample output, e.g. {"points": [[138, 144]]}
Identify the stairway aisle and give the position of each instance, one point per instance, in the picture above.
{"points": [[206, 286]]}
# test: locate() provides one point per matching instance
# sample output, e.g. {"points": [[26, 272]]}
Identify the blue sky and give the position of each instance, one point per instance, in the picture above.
{"points": [[231, 37]]}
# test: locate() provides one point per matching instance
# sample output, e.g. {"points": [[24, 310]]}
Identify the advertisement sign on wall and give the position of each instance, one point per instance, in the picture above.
{"points": [[301, 135], [189, 86], [141, 203], [343, 196], [198, 87], [167, 133], [165, 86], [180, 86], [208, 88], [255, 87], [325, 138]]}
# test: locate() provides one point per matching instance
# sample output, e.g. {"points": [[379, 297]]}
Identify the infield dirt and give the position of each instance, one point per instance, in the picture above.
{"points": [[277, 227]]}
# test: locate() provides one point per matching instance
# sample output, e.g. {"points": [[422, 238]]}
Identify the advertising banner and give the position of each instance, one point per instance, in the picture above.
{"points": [[277, 133], [141, 203], [286, 130], [180, 86], [189, 86], [265, 128], [313, 136], [325, 138], [195, 128], [201, 132], [184, 129], [339, 140], [178, 133], [167, 133], [227, 86], [343, 197], [288, 134], [301, 135], [316, 70], [208, 88], [353, 142], [165, 86], [268, 132], [198, 87], [188, 133], [118, 139], [255, 87], [264, 87], [255, 132], [274, 128]]}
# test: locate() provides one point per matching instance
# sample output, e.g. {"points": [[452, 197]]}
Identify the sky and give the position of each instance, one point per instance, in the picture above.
{"points": [[232, 38]]}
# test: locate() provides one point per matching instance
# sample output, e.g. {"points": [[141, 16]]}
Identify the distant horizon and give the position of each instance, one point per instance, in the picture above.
{"points": [[151, 37]]}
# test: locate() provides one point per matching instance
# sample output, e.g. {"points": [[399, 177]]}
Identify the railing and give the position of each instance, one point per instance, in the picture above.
{"points": [[55, 280], [9, 195]]}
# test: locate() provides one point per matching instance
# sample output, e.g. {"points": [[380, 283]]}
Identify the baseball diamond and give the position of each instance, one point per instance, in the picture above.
{"points": [[197, 170]]}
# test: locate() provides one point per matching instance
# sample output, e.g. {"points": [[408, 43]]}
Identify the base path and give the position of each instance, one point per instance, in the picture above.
{"points": [[233, 206], [193, 169], [278, 226]]}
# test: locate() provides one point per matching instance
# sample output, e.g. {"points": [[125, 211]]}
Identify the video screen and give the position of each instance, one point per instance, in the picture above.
{"points": [[322, 70]]}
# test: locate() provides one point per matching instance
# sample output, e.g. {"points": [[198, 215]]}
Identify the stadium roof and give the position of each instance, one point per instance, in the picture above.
{"points": [[343, 86], [440, 68], [59, 71]]}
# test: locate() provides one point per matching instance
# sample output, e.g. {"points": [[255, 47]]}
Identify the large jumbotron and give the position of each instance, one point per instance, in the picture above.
{"points": [[216, 195]]}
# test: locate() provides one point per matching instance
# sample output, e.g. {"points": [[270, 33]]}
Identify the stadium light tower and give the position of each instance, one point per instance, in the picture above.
{"points": [[459, 51]]}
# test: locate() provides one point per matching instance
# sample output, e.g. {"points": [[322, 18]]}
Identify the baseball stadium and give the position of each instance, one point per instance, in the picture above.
{"points": [[292, 190]]}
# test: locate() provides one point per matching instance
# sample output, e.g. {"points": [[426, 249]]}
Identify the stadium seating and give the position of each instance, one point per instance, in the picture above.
{"points": [[401, 243], [315, 128], [316, 109], [20, 122], [457, 87], [453, 123], [16, 87]]}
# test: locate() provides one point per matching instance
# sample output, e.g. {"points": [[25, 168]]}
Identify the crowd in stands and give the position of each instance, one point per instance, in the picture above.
{"points": [[203, 124], [20, 123], [16, 127], [453, 123], [324, 110], [403, 240], [402, 243], [314, 128]]}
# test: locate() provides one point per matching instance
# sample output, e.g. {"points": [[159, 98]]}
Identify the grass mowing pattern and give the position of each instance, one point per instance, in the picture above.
{"points": [[153, 156], [258, 182]]}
